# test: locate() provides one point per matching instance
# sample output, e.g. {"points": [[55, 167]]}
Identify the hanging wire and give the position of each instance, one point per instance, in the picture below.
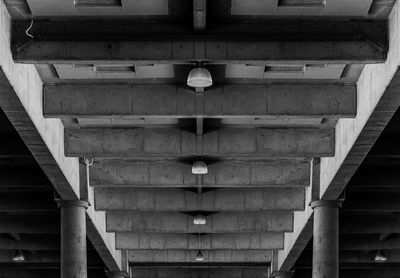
{"points": [[29, 28], [89, 163]]}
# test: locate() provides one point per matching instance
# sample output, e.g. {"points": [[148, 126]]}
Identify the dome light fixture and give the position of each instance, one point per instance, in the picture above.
{"points": [[199, 168], [380, 256], [199, 77], [18, 256], [199, 256], [199, 219]]}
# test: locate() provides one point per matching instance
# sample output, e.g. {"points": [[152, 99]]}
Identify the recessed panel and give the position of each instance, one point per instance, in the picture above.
{"points": [[254, 7], [155, 71], [145, 7], [301, 7], [79, 72], [52, 7], [244, 71], [316, 71], [98, 7]]}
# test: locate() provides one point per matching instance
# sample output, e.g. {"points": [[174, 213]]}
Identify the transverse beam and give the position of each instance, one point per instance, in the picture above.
{"points": [[177, 101], [175, 222], [172, 142]]}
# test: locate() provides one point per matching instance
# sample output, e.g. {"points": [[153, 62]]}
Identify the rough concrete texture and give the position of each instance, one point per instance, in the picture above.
{"points": [[177, 101], [175, 222], [192, 242], [160, 199], [133, 173], [211, 256], [261, 272], [227, 142]]}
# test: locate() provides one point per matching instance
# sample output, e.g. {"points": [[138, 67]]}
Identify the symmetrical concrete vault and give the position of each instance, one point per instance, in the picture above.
{"points": [[284, 107]]}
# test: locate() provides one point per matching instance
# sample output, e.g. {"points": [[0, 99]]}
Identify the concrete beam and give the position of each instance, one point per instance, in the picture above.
{"points": [[41, 257], [43, 273], [370, 223], [226, 142], [221, 200], [358, 273], [307, 41], [175, 222], [368, 242], [387, 201], [30, 242], [30, 223], [93, 100], [27, 202], [210, 256], [148, 241], [250, 272], [239, 173], [199, 15]]}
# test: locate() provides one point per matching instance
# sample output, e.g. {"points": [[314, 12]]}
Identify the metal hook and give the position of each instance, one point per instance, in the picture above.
{"points": [[29, 28]]}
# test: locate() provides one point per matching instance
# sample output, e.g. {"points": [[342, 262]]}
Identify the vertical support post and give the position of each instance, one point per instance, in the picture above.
{"points": [[326, 239], [73, 239]]}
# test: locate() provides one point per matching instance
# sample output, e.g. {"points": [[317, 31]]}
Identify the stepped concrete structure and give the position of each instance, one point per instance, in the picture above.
{"points": [[114, 165]]}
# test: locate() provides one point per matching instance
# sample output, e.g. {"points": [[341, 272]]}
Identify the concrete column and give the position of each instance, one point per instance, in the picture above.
{"points": [[326, 239], [282, 274], [117, 274], [73, 239]]}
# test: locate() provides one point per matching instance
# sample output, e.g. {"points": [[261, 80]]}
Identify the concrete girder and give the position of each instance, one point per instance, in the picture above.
{"points": [[372, 201], [306, 41], [360, 242], [28, 202], [237, 173], [149, 241], [358, 273], [30, 223], [361, 257], [175, 222], [219, 200], [30, 242], [210, 256], [249, 272], [226, 142], [369, 223], [176, 101]]}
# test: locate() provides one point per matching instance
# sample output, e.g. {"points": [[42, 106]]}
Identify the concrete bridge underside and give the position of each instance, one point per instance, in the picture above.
{"points": [[97, 91]]}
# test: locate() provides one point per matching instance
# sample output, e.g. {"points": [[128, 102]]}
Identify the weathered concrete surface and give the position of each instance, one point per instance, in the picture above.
{"points": [[332, 42], [237, 199], [133, 173], [176, 101], [220, 272], [377, 99], [175, 222], [166, 241], [210, 256], [227, 142], [20, 98]]}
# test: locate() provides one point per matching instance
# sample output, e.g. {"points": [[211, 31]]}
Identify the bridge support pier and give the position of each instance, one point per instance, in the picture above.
{"points": [[73, 239], [326, 239]]}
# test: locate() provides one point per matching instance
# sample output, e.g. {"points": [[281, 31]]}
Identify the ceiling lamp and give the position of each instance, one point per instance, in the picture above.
{"points": [[18, 256], [380, 256], [199, 256], [199, 78], [199, 168], [199, 220]]}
